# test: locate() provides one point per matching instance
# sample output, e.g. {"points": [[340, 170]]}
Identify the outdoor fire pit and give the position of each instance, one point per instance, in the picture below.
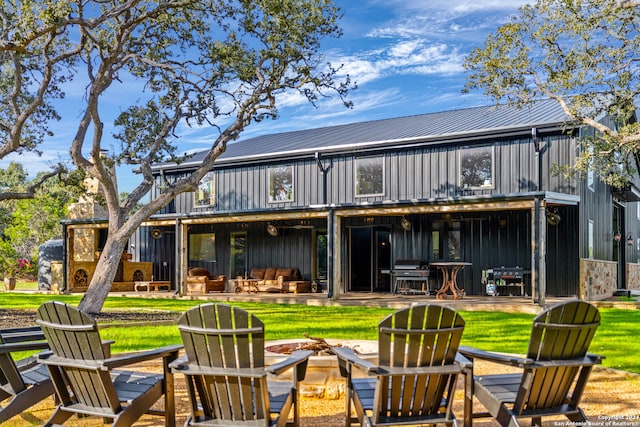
{"points": [[323, 378]]}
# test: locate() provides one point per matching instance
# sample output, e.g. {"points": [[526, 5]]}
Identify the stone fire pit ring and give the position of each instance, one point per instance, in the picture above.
{"points": [[323, 378]]}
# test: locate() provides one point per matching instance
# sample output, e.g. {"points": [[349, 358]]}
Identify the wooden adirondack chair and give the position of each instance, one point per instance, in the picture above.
{"points": [[225, 373], [414, 380], [25, 382], [555, 369], [87, 380]]}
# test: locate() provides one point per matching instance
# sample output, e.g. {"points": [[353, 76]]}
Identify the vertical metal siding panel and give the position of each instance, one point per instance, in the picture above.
{"points": [[439, 174], [390, 181], [246, 188], [348, 181], [313, 189], [313, 178], [223, 190], [237, 199], [498, 168], [332, 192], [434, 173], [258, 190], [514, 167], [406, 172], [550, 182], [529, 168], [301, 181], [393, 177], [429, 165], [525, 153], [415, 178], [304, 188], [559, 150], [235, 190], [506, 172], [452, 172], [333, 182], [499, 172]]}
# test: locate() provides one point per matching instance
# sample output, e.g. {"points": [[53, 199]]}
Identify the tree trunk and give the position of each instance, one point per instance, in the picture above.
{"points": [[102, 280]]}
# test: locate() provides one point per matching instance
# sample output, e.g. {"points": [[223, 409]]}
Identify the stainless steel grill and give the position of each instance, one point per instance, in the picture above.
{"points": [[407, 271]]}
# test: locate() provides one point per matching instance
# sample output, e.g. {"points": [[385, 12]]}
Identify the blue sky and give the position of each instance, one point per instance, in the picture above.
{"points": [[405, 56]]}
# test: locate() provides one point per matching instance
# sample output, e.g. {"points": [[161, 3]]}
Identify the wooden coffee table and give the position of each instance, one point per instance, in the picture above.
{"points": [[249, 285], [149, 285]]}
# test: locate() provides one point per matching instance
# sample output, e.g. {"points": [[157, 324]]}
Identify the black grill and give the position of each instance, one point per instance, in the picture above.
{"points": [[506, 273], [501, 278], [407, 271]]}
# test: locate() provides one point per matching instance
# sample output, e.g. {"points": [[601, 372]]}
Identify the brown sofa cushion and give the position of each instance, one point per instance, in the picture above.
{"points": [[198, 271], [270, 274], [257, 273], [286, 272]]}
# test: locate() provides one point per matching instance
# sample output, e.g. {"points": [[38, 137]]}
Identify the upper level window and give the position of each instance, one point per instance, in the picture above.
{"points": [[281, 184], [369, 176], [205, 193], [476, 167]]}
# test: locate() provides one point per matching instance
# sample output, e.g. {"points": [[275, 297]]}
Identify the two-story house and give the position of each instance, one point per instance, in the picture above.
{"points": [[343, 204]]}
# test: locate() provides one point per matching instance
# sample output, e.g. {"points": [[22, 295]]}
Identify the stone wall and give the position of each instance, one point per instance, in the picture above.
{"points": [[598, 279], [633, 276]]}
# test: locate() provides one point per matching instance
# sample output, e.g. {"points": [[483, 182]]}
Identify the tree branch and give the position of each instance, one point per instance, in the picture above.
{"points": [[30, 192]]}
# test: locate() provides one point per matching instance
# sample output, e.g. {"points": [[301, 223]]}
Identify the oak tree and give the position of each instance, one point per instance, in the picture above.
{"points": [[584, 55], [217, 63]]}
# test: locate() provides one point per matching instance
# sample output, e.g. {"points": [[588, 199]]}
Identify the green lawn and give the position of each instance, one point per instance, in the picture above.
{"points": [[497, 331]]}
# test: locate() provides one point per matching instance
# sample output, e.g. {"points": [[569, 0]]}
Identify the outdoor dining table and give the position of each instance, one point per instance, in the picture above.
{"points": [[449, 271]]}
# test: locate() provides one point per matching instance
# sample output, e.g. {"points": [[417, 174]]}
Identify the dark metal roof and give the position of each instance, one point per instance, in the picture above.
{"points": [[402, 131]]}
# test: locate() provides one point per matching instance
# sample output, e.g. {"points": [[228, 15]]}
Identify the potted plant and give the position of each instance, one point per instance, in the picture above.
{"points": [[9, 271]]}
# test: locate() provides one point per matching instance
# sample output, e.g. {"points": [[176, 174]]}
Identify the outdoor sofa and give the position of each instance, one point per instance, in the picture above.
{"points": [[279, 279]]}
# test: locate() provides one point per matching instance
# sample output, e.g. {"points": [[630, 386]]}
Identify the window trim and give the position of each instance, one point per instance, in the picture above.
{"points": [[355, 176], [212, 191], [291, 198], [464, 149]]}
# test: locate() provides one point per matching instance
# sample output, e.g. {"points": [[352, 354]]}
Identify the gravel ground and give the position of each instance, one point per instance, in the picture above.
{"points": [[15, 318]]}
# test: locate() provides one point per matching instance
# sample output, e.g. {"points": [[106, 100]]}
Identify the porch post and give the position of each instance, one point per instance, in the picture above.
{"points": [[181, 262], [334, 256], [538, 252]]}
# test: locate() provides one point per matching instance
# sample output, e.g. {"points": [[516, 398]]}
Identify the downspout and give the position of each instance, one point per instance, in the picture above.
{"points": [[538, 150], [324, 170]]}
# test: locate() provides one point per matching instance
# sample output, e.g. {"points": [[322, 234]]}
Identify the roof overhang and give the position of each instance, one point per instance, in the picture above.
{"points": [[630, 193]]}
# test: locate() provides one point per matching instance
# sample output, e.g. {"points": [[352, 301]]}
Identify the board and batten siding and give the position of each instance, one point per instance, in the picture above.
{"points": [[426, 173]]}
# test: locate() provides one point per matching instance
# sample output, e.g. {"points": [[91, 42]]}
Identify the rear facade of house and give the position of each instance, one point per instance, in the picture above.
{"points": [[347, 205]]}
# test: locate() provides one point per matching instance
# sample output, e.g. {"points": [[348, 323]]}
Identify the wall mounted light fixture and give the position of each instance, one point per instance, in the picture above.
{"points": [[272, 230], [405, 224]]}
